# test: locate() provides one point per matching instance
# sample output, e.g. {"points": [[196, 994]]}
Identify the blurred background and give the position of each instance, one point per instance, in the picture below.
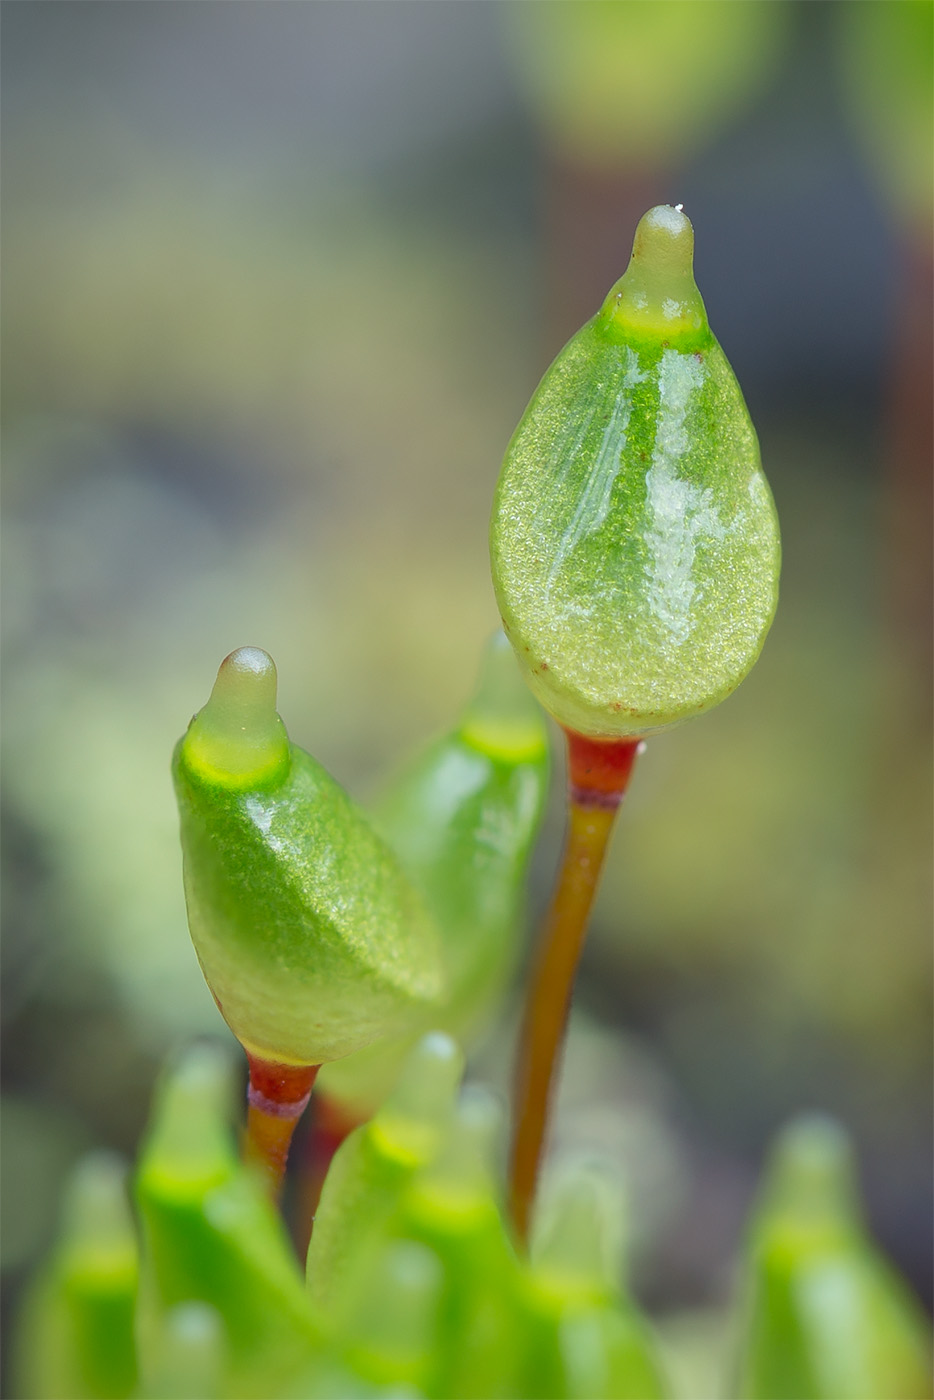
{"points": [[278, 282]]}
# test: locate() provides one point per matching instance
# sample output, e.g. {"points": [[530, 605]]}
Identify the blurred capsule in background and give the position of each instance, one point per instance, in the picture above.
{"points": [[211, 1235], [371, 1169], [588, 1340], [462, 818], [453, 1208], [76, 1340], [827, 1316]]}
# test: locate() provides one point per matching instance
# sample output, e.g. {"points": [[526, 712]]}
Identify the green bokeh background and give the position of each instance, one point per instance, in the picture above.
{"points": [[279, 281]]}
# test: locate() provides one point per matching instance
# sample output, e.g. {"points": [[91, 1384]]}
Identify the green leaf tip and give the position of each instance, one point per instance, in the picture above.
{"points": [[460, 1181], [811, 1179], [97, 1227], [634, 543], [238, 739], [312, 939], [189, 1144]]}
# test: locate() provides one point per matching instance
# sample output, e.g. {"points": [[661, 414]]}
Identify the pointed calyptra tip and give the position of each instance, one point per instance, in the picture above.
{"points": [[459, 1185], [189, 1136], [238, 739], [812, 1172], [657, 296], [98, 1226], [578, 1241], [412, 1119], [503, 719], [664, 238]]}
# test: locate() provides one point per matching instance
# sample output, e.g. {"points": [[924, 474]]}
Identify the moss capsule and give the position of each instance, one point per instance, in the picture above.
{"points": [[311, 938], [634, 541]]}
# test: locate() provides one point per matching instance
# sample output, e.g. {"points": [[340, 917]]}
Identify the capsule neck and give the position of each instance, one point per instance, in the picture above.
{"points": [[656, 300]]}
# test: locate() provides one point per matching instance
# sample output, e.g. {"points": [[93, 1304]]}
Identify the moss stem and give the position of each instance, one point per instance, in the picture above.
{"points": [[277, 1097], [598, 774]]}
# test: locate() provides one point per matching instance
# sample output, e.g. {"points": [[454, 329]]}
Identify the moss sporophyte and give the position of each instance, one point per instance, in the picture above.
{"points": [[312, 939], [635, 555], [635, 559]]}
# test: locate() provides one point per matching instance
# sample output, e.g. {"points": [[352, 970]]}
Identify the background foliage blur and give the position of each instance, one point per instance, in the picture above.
{"points": [[279, 280]]}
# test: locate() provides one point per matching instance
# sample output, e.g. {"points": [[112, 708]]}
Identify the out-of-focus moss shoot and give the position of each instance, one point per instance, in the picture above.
{"points": [[393, 1335], [190, 1362], [452, 1207], [499, 720], [310, 936], [622, 89], [577, 1247], [635, 556], [77, 1340], [456, 1191], [211, 1235], [634, 542], [828, 1319], [372, 1167], [462, 818], [588, 1341]]}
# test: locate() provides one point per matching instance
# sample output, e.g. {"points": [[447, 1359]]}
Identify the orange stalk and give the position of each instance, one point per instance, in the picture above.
{"points": [[277, 1097], [598, 775]]}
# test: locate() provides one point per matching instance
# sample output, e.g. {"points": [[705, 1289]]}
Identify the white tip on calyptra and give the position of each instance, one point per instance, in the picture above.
{"points": [[251, 671], [665, 221]]}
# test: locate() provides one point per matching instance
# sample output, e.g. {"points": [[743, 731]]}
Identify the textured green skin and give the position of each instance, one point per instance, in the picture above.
{"points": [[310, 937], [462, 824], [634, 542]]}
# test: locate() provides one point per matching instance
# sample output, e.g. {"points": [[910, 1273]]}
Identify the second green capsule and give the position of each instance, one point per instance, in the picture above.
{"points": [[462, 819]]}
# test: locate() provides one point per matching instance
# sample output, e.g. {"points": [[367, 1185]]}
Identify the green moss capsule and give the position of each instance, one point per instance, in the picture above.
{"points": [[310, 936], [634, 541]]}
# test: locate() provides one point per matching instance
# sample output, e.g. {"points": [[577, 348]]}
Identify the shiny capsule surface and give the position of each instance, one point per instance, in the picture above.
{"points": [[634, 540]]}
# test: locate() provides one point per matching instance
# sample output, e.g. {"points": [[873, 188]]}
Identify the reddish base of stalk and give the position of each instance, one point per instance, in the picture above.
{"points": [[277, 1097], [598, 775]]}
